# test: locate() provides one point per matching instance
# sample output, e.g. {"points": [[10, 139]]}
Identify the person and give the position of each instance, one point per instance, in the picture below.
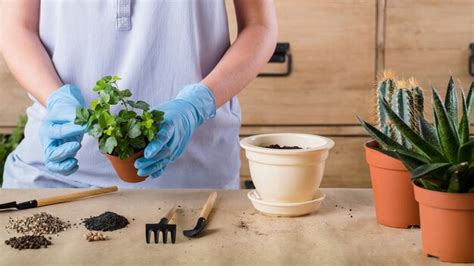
{"points": [[176, 55]]}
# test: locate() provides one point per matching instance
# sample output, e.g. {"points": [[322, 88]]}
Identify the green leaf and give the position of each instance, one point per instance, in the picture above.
{"points": [[428, 132], [138, 143], [95, 131], [417, 141], [126, 152], [127, 115], [451, 103], [388, 144], [82, 115], [139, 105], [428, 169], [448, 137], [104, 97], [134, 129], [94, 104], [106, 120], [125, 93], [466, 152], [432, 184], [109, 131], [110, 144], [148, 123], [410, 162], [157, 116], [454, 183], [470, 101], [115, 78], [150, 134], [464, 124]]}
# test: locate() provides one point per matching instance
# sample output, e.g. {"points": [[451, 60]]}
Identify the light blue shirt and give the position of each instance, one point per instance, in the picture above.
{"points": [[157, 47]]}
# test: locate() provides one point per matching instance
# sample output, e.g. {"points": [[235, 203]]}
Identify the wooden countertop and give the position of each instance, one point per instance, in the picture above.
{"points": [[330, 236]]}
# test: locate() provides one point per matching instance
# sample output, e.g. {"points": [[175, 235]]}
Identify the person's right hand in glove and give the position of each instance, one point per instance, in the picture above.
{"points": [[61, 138]]}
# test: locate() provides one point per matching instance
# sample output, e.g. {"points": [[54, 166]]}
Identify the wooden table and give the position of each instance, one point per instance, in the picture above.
{"points": [[344, 231]]}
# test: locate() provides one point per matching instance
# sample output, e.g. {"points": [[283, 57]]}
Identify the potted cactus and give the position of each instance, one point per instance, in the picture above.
{"points": [[122, 136], [395, 204], [442, 167]]}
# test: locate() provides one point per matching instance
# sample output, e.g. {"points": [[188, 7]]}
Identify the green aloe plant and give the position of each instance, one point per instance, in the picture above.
{"points": [[442, 154]]}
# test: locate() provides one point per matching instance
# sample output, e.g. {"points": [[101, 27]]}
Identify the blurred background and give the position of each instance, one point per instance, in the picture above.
{"points": [[324, 71]]}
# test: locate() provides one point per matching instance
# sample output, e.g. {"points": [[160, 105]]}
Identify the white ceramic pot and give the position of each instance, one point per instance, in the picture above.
{"points": [[287, 175]]}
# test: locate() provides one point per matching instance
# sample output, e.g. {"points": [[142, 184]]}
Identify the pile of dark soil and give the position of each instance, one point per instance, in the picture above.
{"points": [[107, 221]]}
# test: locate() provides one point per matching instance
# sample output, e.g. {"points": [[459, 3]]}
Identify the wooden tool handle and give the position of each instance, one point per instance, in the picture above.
{"points": [[74, 196], [169, 215], [206, 210]]}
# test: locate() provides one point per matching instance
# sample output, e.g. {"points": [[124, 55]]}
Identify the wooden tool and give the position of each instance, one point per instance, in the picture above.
{"points": [[162, 226], [57, 199], [203, 217]]}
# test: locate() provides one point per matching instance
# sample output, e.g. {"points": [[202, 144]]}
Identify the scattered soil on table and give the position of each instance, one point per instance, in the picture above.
{"points": [[243, 225], [28, 242], [344, 208], [38, 224], [278, 147], [107, 221]]}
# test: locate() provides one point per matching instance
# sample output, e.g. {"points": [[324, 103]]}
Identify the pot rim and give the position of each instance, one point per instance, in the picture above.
{"points": [[245, 144], [437, 199], [138, 153], [383, 160]]}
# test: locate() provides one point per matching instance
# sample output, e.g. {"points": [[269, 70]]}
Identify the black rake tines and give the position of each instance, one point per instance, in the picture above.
{"points": [[162, 227]]}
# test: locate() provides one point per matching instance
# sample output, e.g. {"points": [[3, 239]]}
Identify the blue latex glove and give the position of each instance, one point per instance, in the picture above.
{"points": [[194, 105], [61, 138]]}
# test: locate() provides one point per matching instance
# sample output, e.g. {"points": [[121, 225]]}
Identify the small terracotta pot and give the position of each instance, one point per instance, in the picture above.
{"points": [[395, 203], [447, 224], [125, 169]]}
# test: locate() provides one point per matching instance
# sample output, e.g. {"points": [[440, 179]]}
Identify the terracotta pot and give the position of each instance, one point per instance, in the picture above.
{"points": [[395, 203], [447, 224], [125, 169]]}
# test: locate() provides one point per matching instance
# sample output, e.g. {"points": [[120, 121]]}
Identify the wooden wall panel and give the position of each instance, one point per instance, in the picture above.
{"points": [[13, 99], [429, 39], [333, 48]]}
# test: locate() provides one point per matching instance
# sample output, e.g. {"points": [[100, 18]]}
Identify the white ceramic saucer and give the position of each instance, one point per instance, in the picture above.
{"points": [[286, 209]]}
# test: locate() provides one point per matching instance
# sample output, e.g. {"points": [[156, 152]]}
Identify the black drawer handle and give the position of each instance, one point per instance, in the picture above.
{"points": [[280, 56]]}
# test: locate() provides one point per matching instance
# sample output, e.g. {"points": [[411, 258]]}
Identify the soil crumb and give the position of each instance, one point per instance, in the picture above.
{"points": [[243, 225]]}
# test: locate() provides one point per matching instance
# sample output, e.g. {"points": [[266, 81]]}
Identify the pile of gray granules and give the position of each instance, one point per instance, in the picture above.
{"points": [[38, 224]]}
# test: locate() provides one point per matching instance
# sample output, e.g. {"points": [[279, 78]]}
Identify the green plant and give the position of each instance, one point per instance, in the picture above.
{"points": [[442, 157], [121, 134], [405, 99], [9, 142]]}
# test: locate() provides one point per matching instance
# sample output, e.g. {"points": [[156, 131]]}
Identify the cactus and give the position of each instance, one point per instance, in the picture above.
{"points": [[406, 100], [442, 157]]}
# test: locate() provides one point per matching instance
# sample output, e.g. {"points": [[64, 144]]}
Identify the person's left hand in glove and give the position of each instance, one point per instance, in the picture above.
{"points": [[193, 105]]}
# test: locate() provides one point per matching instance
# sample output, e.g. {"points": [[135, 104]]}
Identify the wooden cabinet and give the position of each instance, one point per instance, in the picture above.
{"points": [[332, 45], [429, 39]]}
